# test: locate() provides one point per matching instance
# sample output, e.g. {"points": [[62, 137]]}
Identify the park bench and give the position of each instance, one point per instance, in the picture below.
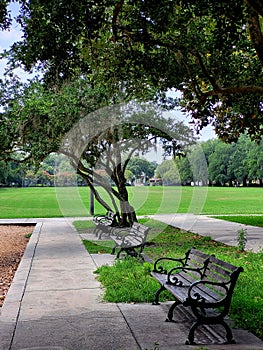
{"points": [[130, 240], [202, 282], [103, 223]]}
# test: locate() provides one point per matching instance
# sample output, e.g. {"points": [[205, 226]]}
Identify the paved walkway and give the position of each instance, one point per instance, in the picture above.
{"points": [[54, 303]]}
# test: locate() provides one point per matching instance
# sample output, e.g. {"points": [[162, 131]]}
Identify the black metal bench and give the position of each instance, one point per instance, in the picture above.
{"points": [[130, 241], [103, 222], [202, 282]]}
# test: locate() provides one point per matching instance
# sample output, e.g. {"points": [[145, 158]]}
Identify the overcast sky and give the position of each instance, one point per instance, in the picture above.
{"points": [[7, 38]]}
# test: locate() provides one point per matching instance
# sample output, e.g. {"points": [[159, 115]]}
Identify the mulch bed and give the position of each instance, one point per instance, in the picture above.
{"points": [[12, 246]]}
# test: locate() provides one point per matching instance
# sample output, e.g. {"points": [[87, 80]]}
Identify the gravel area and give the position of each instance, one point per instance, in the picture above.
{"points": [[12, 245]]}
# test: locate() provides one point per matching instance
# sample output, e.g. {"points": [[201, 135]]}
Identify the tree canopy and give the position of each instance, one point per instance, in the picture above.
{"points": [[210, 51]]}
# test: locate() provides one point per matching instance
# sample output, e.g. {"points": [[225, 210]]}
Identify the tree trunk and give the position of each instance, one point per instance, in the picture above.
{"points": [[128, 215], [244, 181]]}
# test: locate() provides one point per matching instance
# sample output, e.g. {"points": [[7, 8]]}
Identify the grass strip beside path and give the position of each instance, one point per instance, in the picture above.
{"points": [[253, 220]]}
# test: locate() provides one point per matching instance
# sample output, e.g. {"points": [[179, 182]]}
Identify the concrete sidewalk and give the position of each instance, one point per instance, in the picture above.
{"points": [[54, 303]]}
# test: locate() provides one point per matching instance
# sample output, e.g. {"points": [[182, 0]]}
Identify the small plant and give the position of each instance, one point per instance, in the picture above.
{"points": [[156, 346], [207, 238], [242, 239], [28, 235]]}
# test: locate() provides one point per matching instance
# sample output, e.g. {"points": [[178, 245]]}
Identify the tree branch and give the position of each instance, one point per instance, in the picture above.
{"points": [[96, 194], [255, 31], [236, 90], [116, 12], [257, 6], [205, 71]]}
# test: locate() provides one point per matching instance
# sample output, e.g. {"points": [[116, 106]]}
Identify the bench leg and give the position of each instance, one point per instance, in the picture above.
{"points": [[191, 335], [113, 250], [100, 234], [157, 294], [130, 252], [135, 253], [229, 335], [196, 324], [171, 311], [126, 251], [119, 253], [96, 231], [103, 230]]}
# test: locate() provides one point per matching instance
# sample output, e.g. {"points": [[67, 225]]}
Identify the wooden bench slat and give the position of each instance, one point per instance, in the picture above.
{"points": [[219, 271], [210, 291], [223, 264], [182, 293], [190, 276], [160, 277]]}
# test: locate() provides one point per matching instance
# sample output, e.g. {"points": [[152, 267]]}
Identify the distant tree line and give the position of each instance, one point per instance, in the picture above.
{"points": [[54, 170], [234, 164]]}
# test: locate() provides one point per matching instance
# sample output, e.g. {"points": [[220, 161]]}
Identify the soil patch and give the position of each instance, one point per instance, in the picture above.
{"points": [[12, 246]]}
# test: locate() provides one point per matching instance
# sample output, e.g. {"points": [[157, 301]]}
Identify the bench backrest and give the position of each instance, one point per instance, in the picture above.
{"points": [[216, 284], [196, 259], [205, 267], [211, 268], [137, 235], [224, 274], [194, 266], [110, 215], [140, 231]]}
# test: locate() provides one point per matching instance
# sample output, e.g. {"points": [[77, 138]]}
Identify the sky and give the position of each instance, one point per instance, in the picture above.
{"points": [[7, 38]]}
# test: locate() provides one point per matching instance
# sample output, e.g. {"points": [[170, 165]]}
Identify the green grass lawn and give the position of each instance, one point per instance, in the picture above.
{"points": [[28, 202], [43, 202], [69, 201]]}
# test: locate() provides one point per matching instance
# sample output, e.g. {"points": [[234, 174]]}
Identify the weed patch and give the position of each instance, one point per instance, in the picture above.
{"points": [[128, 281]]}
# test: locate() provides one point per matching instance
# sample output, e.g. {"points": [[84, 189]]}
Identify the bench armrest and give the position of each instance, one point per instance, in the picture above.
{"points": [[175, 280], [120, 233], [196, 298], [161, 269], [98, 217], [104, 219]]}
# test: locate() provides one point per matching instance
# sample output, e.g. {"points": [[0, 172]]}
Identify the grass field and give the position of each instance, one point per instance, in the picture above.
{"points": [[69, 201]]}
